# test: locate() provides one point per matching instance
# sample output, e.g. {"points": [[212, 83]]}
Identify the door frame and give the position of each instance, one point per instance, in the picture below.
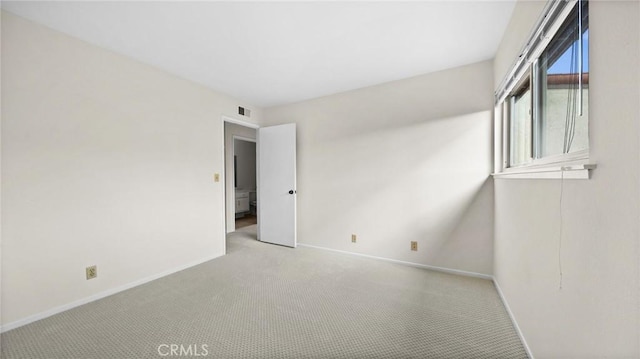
{"points": [[224, 119]]}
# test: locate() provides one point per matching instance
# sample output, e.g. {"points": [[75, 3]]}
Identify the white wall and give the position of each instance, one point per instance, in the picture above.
{"points": [[596, 313], [399, 162], [245, 152], [230, 130], [105, 161]]}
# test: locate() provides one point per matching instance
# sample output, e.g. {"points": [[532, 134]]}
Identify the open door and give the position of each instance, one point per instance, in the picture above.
{"points": [[277, 185]]}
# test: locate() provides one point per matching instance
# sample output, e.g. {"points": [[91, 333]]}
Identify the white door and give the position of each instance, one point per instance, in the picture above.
{"points": [[277, 184]]}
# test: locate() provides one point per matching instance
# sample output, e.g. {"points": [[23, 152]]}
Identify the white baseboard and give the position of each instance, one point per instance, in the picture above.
{"points": [[418, 265], [65, 307], [513, 319]]}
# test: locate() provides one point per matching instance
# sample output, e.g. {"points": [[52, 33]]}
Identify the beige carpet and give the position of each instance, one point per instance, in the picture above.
{"points": [[266, 301]]}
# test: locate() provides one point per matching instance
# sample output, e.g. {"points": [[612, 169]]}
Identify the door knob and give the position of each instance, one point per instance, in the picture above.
{"points": [[291, 192]]}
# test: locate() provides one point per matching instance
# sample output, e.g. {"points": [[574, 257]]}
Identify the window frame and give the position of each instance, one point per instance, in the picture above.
{"points": [[508, 114], [553, 16]]}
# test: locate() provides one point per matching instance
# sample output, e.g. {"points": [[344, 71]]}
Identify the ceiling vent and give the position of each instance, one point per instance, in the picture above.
{"points": [[244, 111]]}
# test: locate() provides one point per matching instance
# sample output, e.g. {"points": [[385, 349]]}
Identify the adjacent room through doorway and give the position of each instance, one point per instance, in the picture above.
{"points": [[244, 161], [240, 176]]}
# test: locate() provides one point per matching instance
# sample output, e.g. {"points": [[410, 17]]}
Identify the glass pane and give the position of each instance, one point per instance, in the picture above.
{"points": [[564, 109], [521, 129]]}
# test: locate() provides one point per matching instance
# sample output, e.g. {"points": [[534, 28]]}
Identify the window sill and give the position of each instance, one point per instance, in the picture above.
{"points": [[548, 172]]}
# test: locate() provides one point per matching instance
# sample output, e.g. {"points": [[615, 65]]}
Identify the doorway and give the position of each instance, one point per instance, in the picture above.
{"points": [[244, 163], [240, 174], [275, 189]]}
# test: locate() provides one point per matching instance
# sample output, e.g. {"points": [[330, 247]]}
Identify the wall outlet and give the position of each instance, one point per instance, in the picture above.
{"points": [[353, 238], [92, 272], [414, 246]]}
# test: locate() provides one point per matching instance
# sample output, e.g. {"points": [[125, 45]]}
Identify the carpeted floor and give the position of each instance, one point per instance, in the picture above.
{"points": [[267, 301]]}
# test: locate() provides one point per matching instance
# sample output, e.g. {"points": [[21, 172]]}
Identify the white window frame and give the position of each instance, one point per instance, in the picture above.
{"points": [[575, 164], [508, 113]]}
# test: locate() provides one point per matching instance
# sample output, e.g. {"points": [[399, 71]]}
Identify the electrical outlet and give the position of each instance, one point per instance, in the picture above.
{"points": [[353, 238], [92, 272], [414, 245], [216, 177]]}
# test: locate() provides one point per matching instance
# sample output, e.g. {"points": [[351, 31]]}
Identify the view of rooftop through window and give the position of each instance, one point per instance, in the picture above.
{"points": [[549, 109], [564, 88]]}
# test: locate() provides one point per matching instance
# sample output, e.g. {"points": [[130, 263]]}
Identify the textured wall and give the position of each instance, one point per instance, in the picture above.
{"points": [[399, 162], [596, 313]]}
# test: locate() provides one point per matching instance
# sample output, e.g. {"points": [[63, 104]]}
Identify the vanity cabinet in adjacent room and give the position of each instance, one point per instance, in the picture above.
{"points": [[242, 201]]}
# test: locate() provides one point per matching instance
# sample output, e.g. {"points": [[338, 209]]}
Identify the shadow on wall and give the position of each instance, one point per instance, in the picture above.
{"points": [[434, 97], [470, 240], [425, 182]]}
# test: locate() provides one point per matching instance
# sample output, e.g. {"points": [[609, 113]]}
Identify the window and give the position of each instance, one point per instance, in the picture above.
{"points": [[545, 106], [564, 95], [521, 128]]}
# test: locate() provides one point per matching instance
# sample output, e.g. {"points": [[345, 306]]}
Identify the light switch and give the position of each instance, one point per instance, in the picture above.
{"points": [[216, 177]]}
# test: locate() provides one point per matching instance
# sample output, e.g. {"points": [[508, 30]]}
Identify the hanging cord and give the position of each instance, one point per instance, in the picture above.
{"points": [[572, 94], [574, 87], [561, 225]]}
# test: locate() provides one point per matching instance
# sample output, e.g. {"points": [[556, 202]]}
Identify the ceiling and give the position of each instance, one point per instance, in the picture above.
{"points": [[272, 53]]}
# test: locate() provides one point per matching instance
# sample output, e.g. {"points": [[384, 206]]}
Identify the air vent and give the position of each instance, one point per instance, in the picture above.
{"points": [[244, 111]]}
